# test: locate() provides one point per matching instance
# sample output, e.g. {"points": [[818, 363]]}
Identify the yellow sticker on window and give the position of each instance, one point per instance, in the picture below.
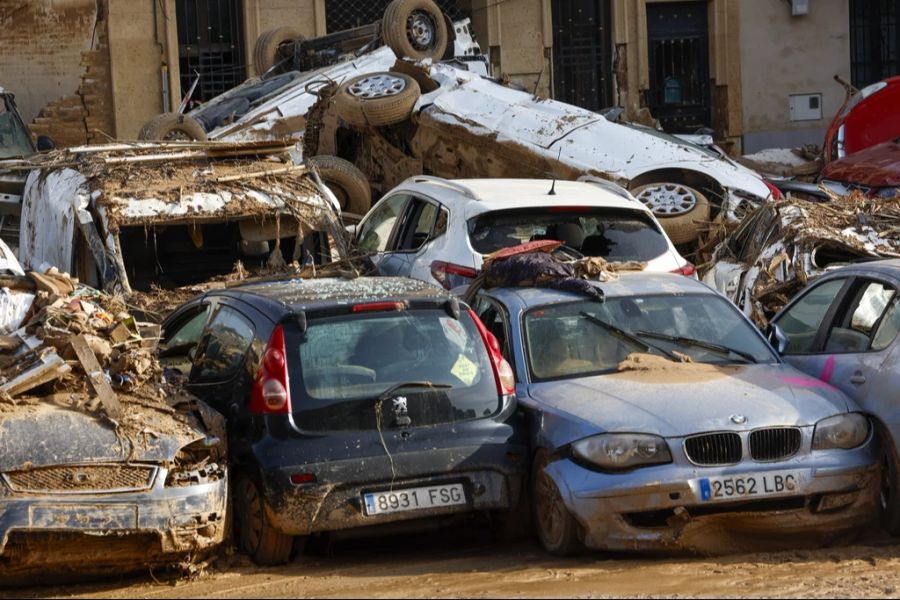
{"points": [[465, 370]]}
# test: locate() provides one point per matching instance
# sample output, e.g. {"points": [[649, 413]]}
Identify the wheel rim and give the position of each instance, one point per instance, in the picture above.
{"points": [[421, 30], [668, 199], [549, 505], [177, 135], [253, 516], [377, 86]]}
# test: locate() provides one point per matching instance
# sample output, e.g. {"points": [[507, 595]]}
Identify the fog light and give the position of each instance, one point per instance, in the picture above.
{"points": [[836, 501]]}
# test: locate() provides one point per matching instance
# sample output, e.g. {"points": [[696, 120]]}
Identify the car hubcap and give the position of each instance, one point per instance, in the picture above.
{"points": [[378, 86], [668, 199], [420, 28]]}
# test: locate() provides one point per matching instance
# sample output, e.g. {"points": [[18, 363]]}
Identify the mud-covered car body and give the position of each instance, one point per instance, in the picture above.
{"points": [[317, 460], [874, 171], [717, 424], [783, 245], [468, 126], [79, 494]]}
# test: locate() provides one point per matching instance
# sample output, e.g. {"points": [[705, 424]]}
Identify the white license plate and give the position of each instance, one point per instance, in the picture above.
{"points": [[433, 496], [750, 485]]}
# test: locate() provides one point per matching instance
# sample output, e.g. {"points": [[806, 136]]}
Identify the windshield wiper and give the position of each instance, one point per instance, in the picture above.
{"points": [[624, 335], [412, 384], [686, 341]]}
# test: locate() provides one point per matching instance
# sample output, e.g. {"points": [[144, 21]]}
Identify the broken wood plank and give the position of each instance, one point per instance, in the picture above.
{"points": [[96, 377], [254, 174], [20, 283]]}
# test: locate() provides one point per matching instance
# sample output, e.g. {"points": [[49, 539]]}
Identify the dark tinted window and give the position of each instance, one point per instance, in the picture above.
{"points": [[801, 322], [229, 335], [344, 363], [613, 235]]}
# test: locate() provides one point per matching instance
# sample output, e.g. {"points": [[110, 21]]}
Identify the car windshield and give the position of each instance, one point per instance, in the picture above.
{"points": [[616, 235], [435, 366], [577, 339], [14, 138]]}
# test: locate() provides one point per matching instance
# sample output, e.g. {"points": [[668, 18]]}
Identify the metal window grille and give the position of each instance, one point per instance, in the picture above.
{"points": [[582, 53], [874, 40], [347, 14], [211, 43]]}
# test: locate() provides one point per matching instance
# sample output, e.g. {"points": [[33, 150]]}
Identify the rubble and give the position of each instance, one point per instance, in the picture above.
{"points": [[781, 246]]}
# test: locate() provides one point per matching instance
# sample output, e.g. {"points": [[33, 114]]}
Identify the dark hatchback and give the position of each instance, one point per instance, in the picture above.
{"points": [[352, 403]]}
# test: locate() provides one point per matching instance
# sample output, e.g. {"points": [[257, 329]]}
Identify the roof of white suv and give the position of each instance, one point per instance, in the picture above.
{"points": [[485, 195]]}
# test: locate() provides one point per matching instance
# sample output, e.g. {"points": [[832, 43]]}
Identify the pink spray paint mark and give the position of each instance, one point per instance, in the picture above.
{"points": [[827, 370]]}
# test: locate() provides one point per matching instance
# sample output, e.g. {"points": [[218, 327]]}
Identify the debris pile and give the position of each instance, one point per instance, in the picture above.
{"points": [[782, 245]]}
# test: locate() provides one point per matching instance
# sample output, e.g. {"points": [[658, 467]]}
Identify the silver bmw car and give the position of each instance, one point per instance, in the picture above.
{"points": [[662, 419]]}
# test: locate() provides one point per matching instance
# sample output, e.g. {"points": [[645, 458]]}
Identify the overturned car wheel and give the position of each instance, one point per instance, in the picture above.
{"points": [[173, 127], [255, 535], [377, 99], [265, 52], [415, 29], [682, 211], [348, 184]]}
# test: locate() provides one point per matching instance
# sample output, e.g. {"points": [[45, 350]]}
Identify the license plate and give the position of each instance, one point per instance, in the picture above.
{"points": [[433, 496], [750, 485]]}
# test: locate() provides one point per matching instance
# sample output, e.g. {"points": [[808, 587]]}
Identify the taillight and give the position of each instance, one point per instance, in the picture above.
{"points": [[687, 269], [271, 392], [776, 193], [450, 275], [503, 373]]}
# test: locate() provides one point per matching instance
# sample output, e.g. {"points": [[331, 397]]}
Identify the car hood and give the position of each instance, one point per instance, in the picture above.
{"points": [[677, 403], [877, 167], [47, 435]]}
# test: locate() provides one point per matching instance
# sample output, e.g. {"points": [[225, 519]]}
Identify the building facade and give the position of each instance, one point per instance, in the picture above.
{"points": [[758, 73]]}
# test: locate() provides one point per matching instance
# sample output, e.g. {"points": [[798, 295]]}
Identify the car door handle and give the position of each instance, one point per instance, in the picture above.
{"points": [[858, 378]]}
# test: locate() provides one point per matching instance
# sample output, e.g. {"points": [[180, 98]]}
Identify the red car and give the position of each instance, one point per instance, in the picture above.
{"points": [[875, 170], [868, 117]]}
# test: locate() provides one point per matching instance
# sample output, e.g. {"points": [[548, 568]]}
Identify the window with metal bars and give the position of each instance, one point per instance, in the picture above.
{"points": [[211, 45], [874, 40], [347, 14]]}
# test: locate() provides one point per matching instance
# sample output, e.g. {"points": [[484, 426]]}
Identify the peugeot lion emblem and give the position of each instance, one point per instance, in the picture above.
{"points": [[738, 419], [401, 415]]}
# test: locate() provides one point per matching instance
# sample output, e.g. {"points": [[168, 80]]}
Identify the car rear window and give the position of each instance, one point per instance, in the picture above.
{"points": [[616, 235], [343, 364]]}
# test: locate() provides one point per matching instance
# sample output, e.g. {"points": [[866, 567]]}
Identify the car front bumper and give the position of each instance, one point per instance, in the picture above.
{"points": [[662, 508]]}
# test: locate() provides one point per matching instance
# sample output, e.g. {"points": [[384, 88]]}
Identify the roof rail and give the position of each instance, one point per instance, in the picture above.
{"points": [[608, 185], [447, 183]]}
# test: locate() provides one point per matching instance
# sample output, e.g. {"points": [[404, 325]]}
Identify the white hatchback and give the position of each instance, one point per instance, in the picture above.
{"points": [[440, 230]]}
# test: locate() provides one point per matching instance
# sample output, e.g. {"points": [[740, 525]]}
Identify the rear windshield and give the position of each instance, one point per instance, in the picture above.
{"points": [[344, 364], [616, 235]]}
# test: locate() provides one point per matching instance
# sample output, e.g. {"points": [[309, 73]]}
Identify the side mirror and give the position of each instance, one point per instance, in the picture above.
{"points": [[44, 143], [777, 338]]}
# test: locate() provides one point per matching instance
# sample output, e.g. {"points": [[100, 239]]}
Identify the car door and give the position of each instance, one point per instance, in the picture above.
{"points": [[413, 231], [376, 233], [854, 340]]}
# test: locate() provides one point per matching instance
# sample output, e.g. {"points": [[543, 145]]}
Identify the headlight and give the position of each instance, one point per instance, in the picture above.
{"points": [[841, 431], [623, 450]]}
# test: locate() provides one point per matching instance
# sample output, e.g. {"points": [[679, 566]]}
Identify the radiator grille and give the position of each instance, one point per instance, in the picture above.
{"points": [[712, 449], [81, 479], [774, 444]]}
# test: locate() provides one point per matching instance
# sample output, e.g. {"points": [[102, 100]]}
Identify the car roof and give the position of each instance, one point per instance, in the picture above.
{"points": [[483, 195], [627, 284], [888, 266], [305, 294]]}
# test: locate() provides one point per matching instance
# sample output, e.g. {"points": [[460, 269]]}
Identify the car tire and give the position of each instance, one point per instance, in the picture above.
{"points": [[415, 29], [255, 535], [348, 184], [890, 484], [377, 99], [173, 127], [556, 528], [682, 210], [265, 52], [515, 524]]}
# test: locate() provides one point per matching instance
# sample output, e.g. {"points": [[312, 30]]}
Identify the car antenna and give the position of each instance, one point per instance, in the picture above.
{"points": [[552, 191]]}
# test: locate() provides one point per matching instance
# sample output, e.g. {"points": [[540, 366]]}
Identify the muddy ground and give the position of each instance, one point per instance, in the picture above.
{"points": [[468, 565]]}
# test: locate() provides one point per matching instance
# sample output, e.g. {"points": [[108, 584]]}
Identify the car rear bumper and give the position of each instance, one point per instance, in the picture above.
{"points": [[668, 513], [183, 519], [491, 477]]}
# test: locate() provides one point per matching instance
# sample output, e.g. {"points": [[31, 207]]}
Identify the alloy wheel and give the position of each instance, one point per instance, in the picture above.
{"points": [[668, 199]]}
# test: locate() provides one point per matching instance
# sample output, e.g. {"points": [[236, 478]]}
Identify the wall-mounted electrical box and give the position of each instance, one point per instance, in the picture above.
{"points": [[799, 8], [806, 107]]}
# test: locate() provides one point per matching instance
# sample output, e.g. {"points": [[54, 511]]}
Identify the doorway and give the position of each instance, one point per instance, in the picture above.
{"points": [[582, 53]]}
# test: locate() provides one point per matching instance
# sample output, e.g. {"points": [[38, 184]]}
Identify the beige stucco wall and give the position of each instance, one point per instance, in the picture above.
{"points": [[785, 55]]}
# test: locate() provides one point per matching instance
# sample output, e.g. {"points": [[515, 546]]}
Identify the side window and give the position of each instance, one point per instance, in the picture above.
{"points": [[494, 320], [802, 321], [228, 337], [375, 234], [418, 225], [181, 338], [870, 316]]}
